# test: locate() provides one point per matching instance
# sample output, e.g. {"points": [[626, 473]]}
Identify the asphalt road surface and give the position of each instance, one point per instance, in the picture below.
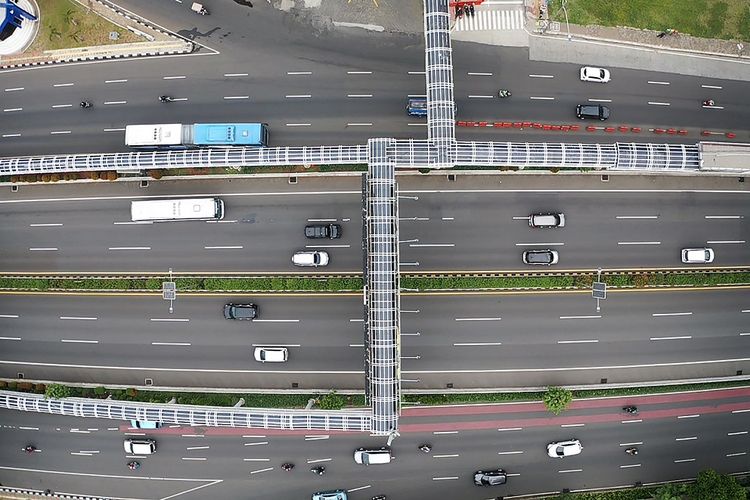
{"points": [[493, 340], [677, 435], [476, 223]]}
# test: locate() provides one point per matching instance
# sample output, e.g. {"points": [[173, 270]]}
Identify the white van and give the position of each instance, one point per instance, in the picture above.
{"points": [[140, 446], [372, 456], [271, 354]]}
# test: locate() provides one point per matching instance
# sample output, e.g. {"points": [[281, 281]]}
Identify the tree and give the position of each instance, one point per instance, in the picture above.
{"points": [[331, 401], [57, 391], [711, 485], [556, 399], [670, 492]]}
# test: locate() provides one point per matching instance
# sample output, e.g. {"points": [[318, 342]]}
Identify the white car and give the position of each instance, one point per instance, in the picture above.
{"points": [[140, 446], [561, 449], [310, 259], [697, 255], [271, 354], [591, 74]]}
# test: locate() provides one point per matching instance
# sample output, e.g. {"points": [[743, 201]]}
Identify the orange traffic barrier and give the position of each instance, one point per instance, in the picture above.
{"points": [[591, 128], [730, 135], [682, 132], [636, 129]]}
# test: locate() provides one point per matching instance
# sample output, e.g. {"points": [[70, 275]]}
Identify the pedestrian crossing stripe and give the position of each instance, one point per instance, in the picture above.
{"points": [[485, 20]]}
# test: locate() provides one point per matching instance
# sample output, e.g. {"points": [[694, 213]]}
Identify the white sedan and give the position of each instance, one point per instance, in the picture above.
{"points": [[591, 74], [561, 449], [697, 255]]}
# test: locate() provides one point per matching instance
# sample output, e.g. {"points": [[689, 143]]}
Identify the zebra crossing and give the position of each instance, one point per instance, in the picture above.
{"points": [[492, 20]]}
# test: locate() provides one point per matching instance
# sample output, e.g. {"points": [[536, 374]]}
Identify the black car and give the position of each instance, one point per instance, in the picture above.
{"points": [[540, 257], [240, 311], [592, 112], [316, 231], [490, 477]]}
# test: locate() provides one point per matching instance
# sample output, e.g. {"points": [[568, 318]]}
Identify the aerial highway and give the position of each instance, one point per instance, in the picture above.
{"points": [[677, 435], [478, 223], [470, 341]]}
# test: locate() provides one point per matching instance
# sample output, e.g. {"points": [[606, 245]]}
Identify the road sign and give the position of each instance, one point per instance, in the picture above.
{"points": [[599, 290], [169, 290]]}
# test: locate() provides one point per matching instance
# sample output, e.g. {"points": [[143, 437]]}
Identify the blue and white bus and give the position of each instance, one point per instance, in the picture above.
{"points": [[177, 135]]}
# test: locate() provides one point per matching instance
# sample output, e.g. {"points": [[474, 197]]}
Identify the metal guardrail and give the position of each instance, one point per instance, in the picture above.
{"points": [[190, 415]]}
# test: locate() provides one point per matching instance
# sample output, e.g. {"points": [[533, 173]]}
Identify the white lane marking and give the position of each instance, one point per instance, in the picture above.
{"points": [[581, 317], [55, 106], [719, 87], [115, 102], [114, 130], [298, 96], [254, 436], [723, 216], [81, 318], [80, 431], [276, 321], [634, 421], [297, 124], [432, 245], [63, 84], [196, 459], [132, 223], [691, 438], [78, 341], [25, 428], [636, 217], [322, 220], [51, 224], [177, 344], [415, 72], [539, 244], [11, 135], [10, 338], [257, 443], [506, 429], [178, 320], [451, 455], [639, 242], [541, 76], [684, 460], [182, 77], [256, 459], [316, 438], [350, 490], [129, 248], [738, 433], [600, 100], [447, 218], [741, 411], [634, 443], [190, 448], [81, 454], [299, 72], [8, 315], [478, 319], [654, 103], [738, 454], [43, 249], [440, 433], [629, 466], [357, 320], [358, 73], [57, 132], [569, 470], [478, 74], [318, 460], [327, 246], [721, 242], [481, 96], [678, 337], [695, 415], [8, 110], [539, 98], [656, 315], [585, 341], [193, 435], [745, 311], [363, 124], [275, 345], [474, 344], [115, 81], [359, 96], [445, 478], [230, 97], [571, 425], [15, 89], [229, 75], [658, 83], [179, 99], [515, 452], [356, 346], [227, 247]]}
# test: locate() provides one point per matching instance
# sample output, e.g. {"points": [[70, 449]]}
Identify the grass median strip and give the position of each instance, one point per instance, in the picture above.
{"points": [[637, 280]]}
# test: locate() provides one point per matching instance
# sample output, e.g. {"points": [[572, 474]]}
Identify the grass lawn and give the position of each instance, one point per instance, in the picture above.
{"points": [[66, 24], [724, 19]]}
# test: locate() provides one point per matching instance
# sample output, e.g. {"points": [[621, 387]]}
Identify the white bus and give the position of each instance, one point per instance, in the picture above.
{"points": [[177, 209], [154, 136]]}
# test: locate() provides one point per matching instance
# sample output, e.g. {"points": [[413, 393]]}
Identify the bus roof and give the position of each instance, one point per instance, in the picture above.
{"points": [[169, 134], [178, 208], [243, 134]]}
